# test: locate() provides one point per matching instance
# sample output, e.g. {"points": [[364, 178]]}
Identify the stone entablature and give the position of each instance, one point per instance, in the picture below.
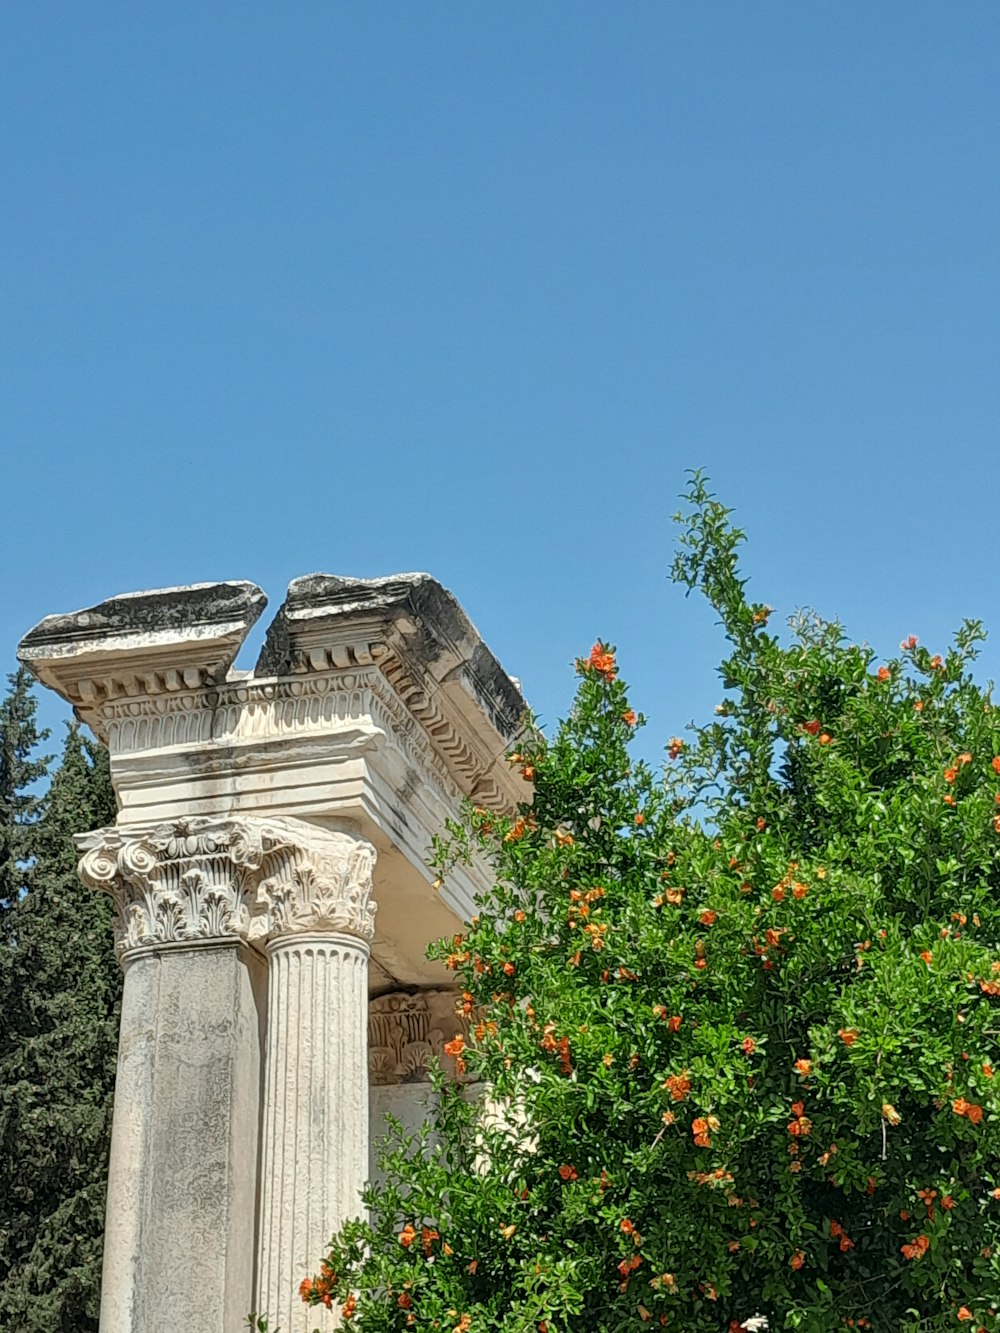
{"points": [[151, 670]]}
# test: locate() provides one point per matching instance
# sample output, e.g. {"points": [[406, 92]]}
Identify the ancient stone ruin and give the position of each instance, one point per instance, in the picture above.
{"points": [[268, 866]]}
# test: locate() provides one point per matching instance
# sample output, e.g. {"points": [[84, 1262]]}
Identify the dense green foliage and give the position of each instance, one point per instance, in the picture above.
{"points": [[739, 1021], [59, 988], [20, 768]]}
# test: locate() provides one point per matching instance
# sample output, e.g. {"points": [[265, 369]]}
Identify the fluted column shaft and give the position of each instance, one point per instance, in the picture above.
{"points": [[314, 1150], [315, 1147]]}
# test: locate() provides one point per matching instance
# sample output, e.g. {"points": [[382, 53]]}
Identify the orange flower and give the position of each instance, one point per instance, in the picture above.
{"points": [[935, 662], [799, 891], [349, 1306], [797, 1259], [305, 1288], [778, 894], [803, 1068], [509, 969], [674, 1022], [965, 757], [629, 717], [909, 643], [567, 1172], [987, 1071], [749, 1045], [640, 818], [407, 1236], [927, 957], [708, 917], [405, 1300], [455, 1047], [825, 738], [674, 747], [917, 1248], [949, 799], [678, 1085], [602, 660], [798, 1108], [995, 761], [848, 1035], [950, 774], [947, 1203], [964, 1313], [890, 1113], [517, 830], [882, 673], [962, 1107], [812, 728]]}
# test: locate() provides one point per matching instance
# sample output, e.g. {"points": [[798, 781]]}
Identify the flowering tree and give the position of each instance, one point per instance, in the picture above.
{"points": [[739, 1022]]}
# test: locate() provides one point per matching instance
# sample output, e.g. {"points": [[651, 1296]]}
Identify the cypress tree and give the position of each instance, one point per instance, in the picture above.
{"points": [[20, 769], [59, 1001]]}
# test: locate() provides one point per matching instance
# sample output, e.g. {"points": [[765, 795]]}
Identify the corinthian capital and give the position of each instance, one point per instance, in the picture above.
{"points": [[220, 877], [323, 883]]}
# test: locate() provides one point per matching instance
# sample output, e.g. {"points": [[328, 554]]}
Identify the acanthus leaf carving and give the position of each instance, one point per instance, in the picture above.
{"points": [[405, 1031], [320, 886], [201, 878]]}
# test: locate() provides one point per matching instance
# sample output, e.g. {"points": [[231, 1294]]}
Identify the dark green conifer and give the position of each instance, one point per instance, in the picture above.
{"points": [[59, 1000], [20, 769]]}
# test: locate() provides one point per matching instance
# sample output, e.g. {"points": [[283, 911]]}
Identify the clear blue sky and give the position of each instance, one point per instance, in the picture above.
{"points": [[368, 287]]}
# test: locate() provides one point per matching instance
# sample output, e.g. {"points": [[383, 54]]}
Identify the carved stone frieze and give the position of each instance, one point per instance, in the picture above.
{"points": [[406, 1030], [199, 879], [360, 707]]}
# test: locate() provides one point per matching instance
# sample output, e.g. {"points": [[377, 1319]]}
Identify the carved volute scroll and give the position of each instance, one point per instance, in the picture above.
{"points": [[207, 878]]}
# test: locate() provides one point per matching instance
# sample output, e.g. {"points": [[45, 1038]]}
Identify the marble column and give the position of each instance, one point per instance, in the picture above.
{"points": [[179, 1240], [317, 924]]}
